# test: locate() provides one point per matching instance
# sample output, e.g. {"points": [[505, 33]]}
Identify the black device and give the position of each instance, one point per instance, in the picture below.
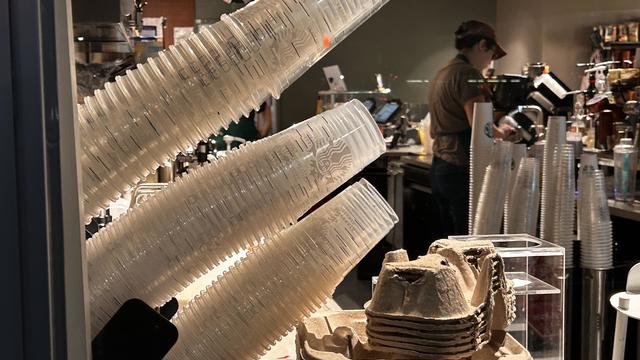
{"points": [[370, 104], [551, 94], [511, 91], [136, 331], [529, 133], [387, 112]]}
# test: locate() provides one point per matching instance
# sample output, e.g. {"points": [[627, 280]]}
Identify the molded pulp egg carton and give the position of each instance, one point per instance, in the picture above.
{"points": [[453, 303]]}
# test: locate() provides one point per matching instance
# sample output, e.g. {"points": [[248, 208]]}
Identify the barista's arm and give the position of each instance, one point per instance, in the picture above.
{"points": [[266, 122]]}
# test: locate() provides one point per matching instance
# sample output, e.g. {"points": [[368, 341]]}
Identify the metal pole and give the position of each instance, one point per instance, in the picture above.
{"points": [[42, 248], [594, 309], [10, 265], [73, 248], [620, 338]]}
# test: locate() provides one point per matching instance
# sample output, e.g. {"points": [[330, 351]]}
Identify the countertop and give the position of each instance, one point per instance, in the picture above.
{"points": [[616, 208], [422, 161], [605, 158], [624, 210], [415, 150], [285, 349]]}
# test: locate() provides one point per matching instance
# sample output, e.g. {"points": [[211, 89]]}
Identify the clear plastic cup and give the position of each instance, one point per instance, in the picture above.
{"points": [[589, 160], [555, 137], [480, 156], [564, 197], [202, 84], [256, 302], [220, 209], [519, 153], [494, 191], [237, 90], [524, 201]]}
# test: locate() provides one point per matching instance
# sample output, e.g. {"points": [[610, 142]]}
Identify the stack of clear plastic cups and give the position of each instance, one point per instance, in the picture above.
{"points": [[286, 32], [292, 39], [524, 201], [480, 156], [564, 201], [202, 84], [594, 221], [556, 136], [588, 161], [519, 153], [494, 191], [161, 246], [537, 152], [281, 282]]}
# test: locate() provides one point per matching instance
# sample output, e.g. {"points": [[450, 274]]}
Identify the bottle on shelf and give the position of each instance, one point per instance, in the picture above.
{"points": [[592, 90], [626, 166], [590, 133], [202, 152]]}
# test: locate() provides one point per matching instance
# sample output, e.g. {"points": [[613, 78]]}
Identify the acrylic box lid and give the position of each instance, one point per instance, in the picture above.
{"points": [[517, 245]]}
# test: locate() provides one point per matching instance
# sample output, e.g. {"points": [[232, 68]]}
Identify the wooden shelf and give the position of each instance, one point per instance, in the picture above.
{"points": [[617, 45]]}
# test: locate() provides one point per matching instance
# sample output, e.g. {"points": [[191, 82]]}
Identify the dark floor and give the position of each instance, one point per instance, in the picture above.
{"points": [[352, 293]]}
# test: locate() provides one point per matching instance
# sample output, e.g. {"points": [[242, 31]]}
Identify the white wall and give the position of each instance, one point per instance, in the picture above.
{"points": [[412, 39], [211, 10], [555, 31], [407, 39]]}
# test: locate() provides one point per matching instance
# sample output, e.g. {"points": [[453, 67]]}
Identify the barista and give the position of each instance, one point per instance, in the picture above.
{"points": [[452, 95], [248, 128]]}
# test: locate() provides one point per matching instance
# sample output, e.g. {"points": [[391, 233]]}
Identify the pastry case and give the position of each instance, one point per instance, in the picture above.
{"points": [[536, 268]]}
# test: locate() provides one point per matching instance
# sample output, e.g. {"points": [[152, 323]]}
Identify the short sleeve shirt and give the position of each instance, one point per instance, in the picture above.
{"points": [[451, 88], [245, 129]]}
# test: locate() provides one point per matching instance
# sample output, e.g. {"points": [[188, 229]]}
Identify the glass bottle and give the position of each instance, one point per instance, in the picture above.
{"points": [[592, 90], [626, 165]]}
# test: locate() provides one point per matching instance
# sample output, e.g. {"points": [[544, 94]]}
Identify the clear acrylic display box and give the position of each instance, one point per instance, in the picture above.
{"points": [[536, 268]]}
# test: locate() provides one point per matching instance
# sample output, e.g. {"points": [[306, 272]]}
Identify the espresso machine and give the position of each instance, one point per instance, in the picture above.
{"points": [[526, 100]]}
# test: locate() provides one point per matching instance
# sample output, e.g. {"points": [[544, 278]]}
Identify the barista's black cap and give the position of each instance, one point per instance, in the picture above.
{"points": [[478, 28]]}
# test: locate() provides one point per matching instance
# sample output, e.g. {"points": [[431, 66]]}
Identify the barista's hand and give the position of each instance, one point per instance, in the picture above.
{"points": [[503, 131]]}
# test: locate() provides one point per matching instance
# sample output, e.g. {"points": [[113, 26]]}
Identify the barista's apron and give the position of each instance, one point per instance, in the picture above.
{"points": [[464, 139]]}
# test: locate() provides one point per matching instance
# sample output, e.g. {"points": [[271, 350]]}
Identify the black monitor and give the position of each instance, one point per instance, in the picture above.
{"points": [[386, 112], [370, 104]]}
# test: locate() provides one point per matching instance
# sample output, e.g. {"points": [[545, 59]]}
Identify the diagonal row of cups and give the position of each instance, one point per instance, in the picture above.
{"points": [[594, 221], [161, 246], [491, 202], [283, 280], [201, 84], [480, 156], [558, 199], [524, 201], [519, 155]]}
